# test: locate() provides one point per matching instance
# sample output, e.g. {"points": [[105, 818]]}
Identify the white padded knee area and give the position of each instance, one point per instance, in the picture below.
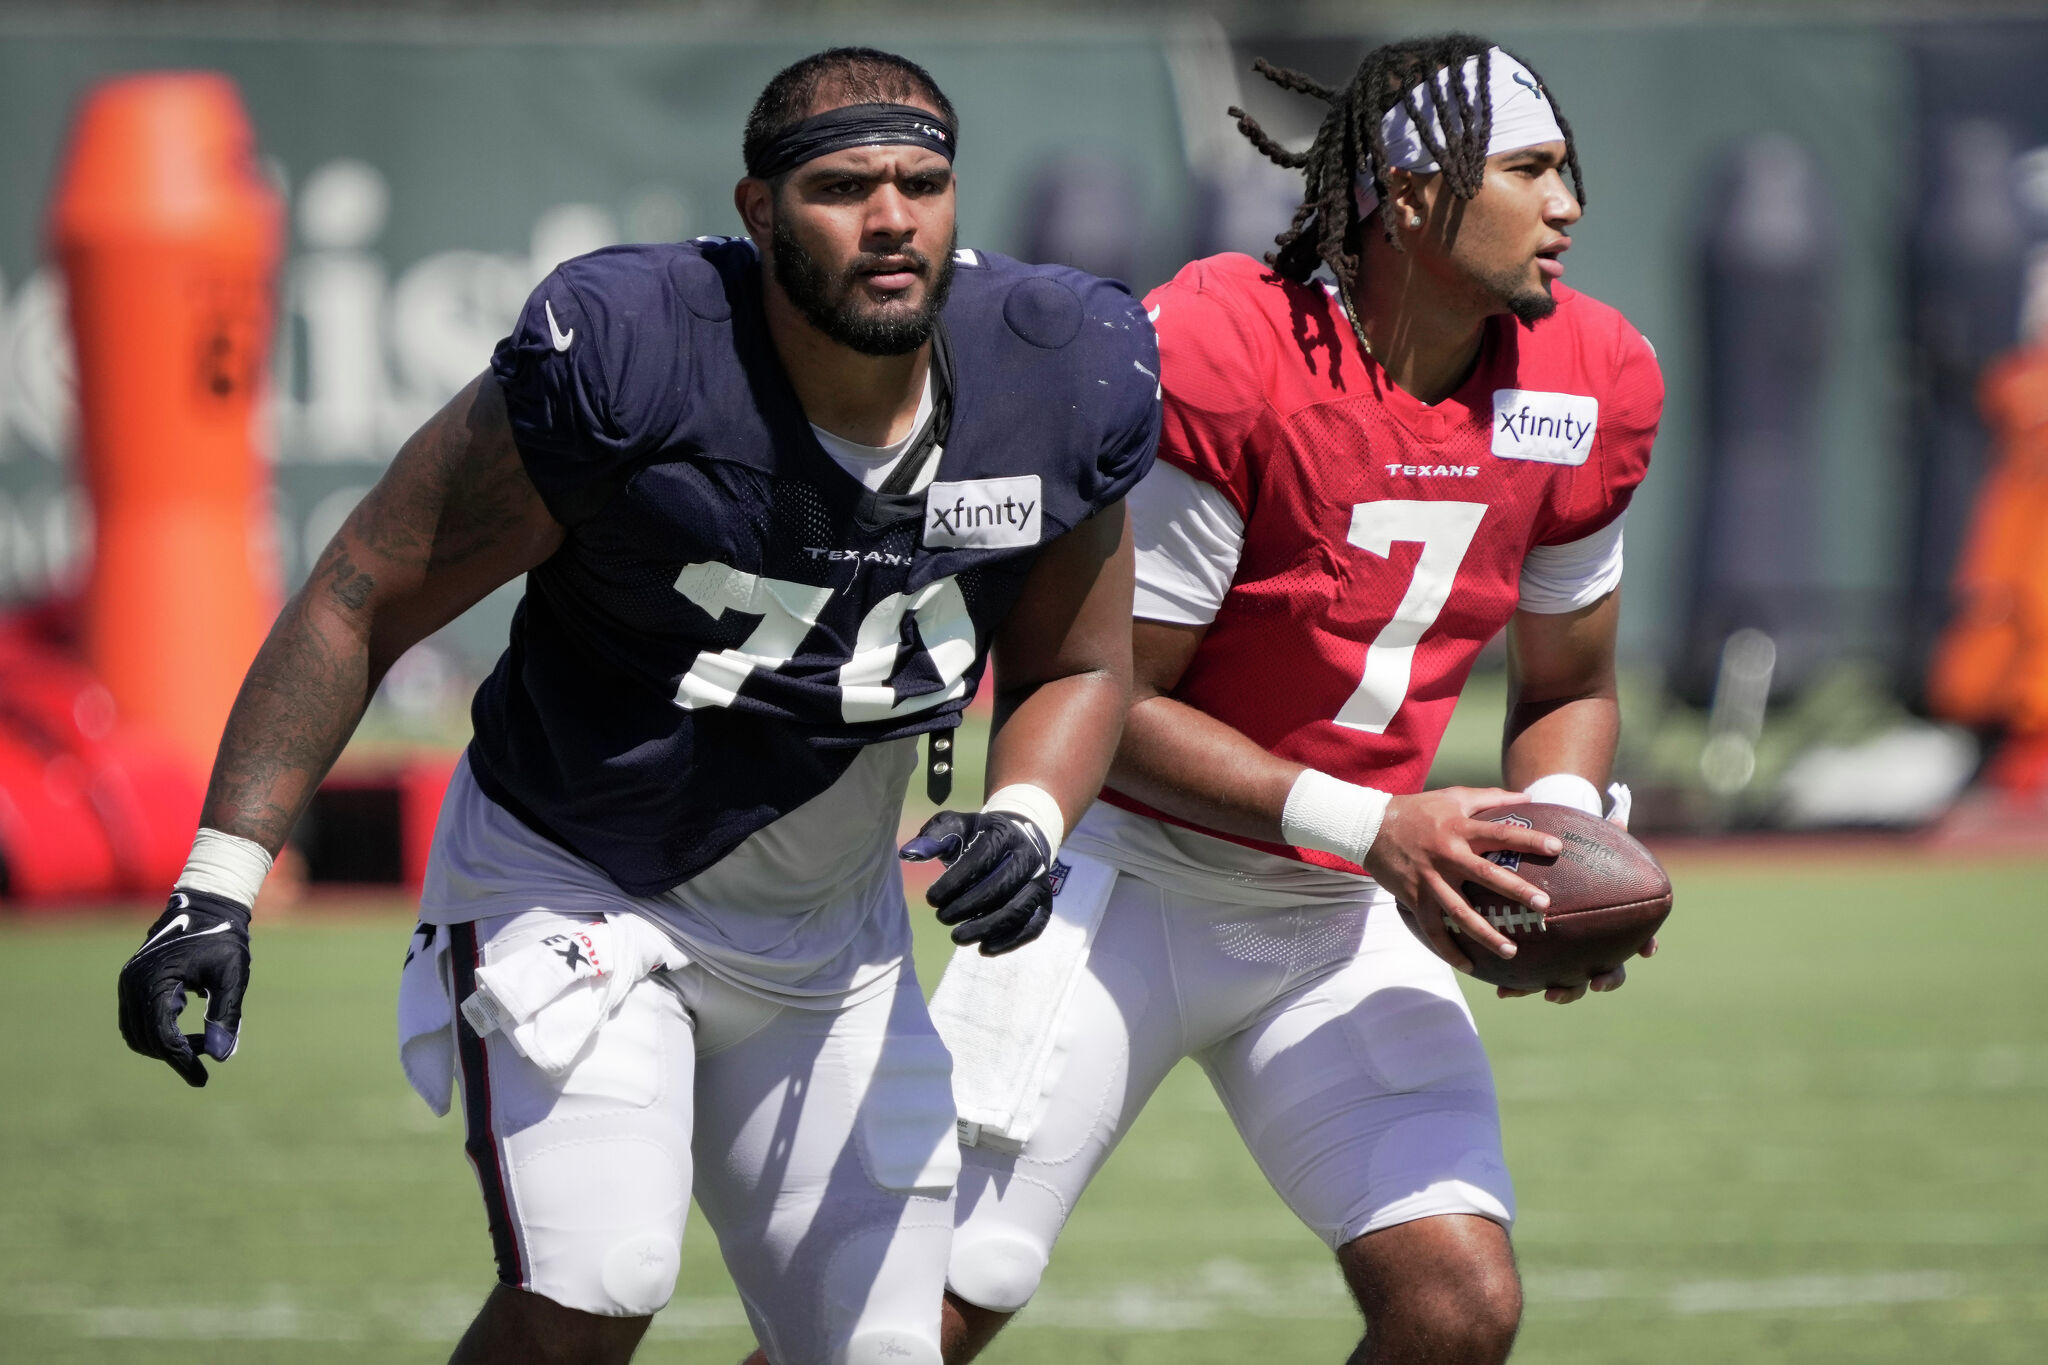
{"points": [[875, 1300], [601, 1222], [891, 1346], [998, 1271], [639, 1274]]}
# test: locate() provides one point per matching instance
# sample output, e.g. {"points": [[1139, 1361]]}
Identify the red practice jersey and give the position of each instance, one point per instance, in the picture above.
{"points": [[1383, 537]]}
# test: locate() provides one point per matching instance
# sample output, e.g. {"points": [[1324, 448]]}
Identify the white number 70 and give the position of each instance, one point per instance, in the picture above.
{"points": [[790, 611], [1445, 531]]}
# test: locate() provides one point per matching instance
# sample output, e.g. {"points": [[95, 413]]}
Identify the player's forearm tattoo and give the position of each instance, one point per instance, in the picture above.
{"points": [[350, 585], [447, 499], [297, 707], [300, 702]]}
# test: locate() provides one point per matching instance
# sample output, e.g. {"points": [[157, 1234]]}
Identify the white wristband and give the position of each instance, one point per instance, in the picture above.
{"points": [[1035, 804], [225, 865], [1566, 789], [1331, 815]]}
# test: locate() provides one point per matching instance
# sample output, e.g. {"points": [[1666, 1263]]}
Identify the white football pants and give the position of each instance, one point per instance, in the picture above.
{"points": [[1339, 1044], [807, 1137]]}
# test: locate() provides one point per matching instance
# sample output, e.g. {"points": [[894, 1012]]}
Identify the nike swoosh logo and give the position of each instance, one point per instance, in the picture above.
{"points": [[555, 332], [181, 922]]}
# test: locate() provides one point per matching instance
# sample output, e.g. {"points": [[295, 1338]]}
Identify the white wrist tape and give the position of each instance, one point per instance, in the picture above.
{"points": [[225, 865], [1331, 815], [1035, 804], [1566, 789]]}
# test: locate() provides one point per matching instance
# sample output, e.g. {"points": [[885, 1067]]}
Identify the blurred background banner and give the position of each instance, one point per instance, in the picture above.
{"points": [[431, 184], [1828, 231]]}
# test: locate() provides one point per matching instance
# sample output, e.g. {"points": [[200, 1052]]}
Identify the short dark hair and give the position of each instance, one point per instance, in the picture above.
{"points": [[1350, 139], [856, 75]]}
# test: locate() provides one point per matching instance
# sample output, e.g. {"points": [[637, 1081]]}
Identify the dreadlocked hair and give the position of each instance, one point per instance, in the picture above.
{"points": [[1350, 141]]}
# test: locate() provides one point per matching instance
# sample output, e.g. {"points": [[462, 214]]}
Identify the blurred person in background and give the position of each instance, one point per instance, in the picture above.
{"points": [[1362, 482], [778, 500]]}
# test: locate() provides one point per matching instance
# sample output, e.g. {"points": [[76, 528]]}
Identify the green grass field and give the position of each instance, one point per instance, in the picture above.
{"points": [[1813, 1130]]}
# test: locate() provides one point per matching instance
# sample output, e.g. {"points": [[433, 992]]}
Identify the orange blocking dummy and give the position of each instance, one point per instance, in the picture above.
{"points": [[1991, 666], [169, 238]]}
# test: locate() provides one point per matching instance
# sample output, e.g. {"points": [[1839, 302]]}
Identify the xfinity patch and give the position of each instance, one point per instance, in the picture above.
{"points": [[1554, 428], [982, 514]]}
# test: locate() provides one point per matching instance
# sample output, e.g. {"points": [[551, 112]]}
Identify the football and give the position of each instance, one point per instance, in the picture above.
{"points": [[1608, 896]]}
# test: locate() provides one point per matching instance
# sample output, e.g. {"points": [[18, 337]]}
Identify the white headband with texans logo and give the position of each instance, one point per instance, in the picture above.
{"points": [[1522, 117]]}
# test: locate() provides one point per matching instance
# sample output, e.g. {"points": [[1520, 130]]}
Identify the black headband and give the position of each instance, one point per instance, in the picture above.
{"points": [[856, 125]]}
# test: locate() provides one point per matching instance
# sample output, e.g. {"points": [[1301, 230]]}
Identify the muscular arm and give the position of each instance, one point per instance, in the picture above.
{"points": [[1563, 715], [1063, 666], [1063, 680], [1562, 718], [1190, 765], [1186, 762], [452, 518]]}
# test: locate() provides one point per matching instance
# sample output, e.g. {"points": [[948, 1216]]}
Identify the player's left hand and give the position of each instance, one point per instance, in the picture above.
{"points": [[1618, 812], [201, 942], [1565, 995], [997, 887]]}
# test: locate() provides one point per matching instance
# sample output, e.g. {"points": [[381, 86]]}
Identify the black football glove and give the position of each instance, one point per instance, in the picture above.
{"points": [[997, 887], [201, 943]]}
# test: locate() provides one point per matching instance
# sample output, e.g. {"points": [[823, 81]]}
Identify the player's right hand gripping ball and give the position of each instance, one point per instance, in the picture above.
{"points": [[200, 943], [997, 887]]}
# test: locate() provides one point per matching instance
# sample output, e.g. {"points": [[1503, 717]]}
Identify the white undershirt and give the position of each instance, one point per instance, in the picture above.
{"points": [[1561, 578], [1189, 538], [872, 465]]}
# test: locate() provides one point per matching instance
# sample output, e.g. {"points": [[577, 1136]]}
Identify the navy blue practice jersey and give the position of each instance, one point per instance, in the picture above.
{"points": [[732, 615]]}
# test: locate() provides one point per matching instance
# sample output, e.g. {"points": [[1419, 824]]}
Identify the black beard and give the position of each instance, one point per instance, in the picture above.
{"points": [[1528, 303], [1531, 306], [829, 305]]}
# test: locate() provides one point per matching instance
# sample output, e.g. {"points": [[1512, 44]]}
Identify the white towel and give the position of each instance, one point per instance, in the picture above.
{"points": [[999, 1016], [522, 987], [1623, 802], [426, 1021], [548, 996]]}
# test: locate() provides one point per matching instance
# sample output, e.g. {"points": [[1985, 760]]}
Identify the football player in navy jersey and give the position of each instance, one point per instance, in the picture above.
{"points": [[777, 499]]}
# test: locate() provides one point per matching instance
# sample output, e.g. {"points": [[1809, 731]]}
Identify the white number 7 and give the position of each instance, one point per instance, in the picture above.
{"points": [[1445, 531]]}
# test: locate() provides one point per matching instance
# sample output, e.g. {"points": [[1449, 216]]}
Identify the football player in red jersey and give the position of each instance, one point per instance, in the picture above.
{"points": [[1360, 484]]}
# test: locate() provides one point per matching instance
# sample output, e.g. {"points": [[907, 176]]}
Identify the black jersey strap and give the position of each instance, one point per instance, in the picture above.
{"points": [[903, 477], [938, 771]]}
